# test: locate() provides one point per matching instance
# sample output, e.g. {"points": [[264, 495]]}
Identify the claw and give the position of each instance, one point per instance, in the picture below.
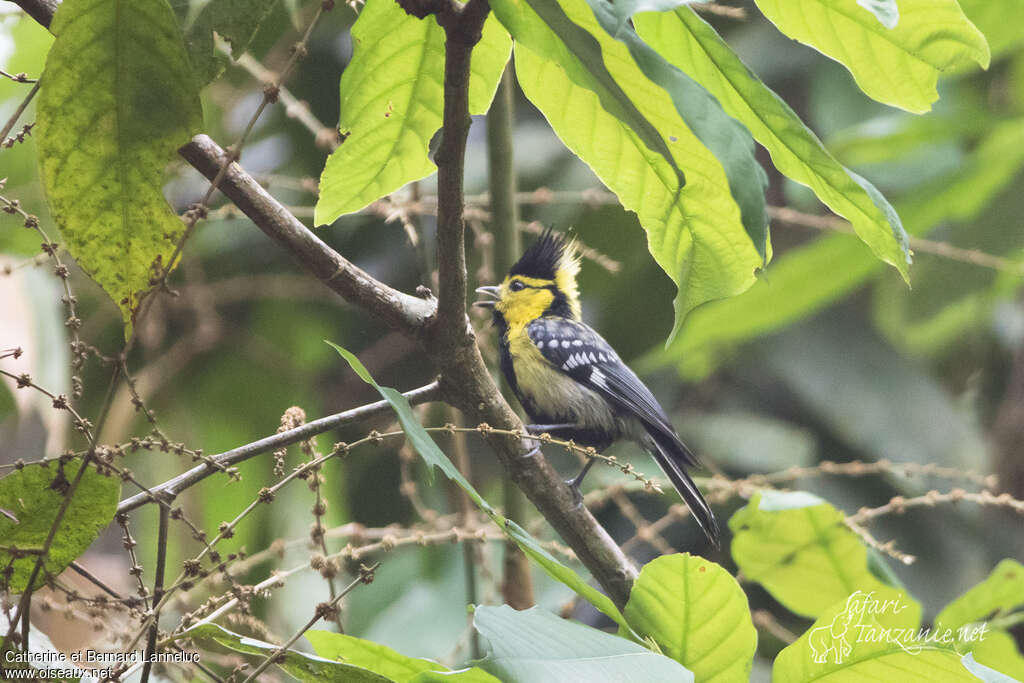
{"points": [[532, 452], [577, 495], [576, 481]]}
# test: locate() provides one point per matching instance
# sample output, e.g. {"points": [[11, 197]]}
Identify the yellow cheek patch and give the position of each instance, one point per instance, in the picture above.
{"points": [[521, 307]]}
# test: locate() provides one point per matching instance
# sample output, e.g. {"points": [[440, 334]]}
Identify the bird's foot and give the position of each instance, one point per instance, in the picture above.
{"points": [[577, 495], [575, 483]]}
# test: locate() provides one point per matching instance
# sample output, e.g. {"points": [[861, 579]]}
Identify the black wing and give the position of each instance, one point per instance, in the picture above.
{"points": [[580, 352]]}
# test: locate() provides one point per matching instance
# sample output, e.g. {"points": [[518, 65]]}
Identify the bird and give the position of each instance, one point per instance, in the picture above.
{"points": [[569, 380]]}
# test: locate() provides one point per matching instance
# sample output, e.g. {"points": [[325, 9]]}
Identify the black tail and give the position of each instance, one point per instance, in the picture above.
{"points": [[672, 456]]}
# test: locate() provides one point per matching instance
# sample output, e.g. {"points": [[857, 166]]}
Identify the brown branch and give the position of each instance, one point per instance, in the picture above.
{"points": [[40, 10], [462, 31], [218, 463], [9, 126], [404, 312], [465, 382]]}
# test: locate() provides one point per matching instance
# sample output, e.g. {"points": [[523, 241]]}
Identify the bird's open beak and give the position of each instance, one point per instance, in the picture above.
{"points": [[491, 291]]}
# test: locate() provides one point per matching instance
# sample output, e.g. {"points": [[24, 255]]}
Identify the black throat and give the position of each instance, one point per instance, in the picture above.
{"points": [[559, 305]]}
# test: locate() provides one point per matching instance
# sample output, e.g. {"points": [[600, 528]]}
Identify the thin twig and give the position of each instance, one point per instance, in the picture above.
{"points": [[158, 591], [466, 515], [765, 620], [325, 136], [9, 126], [194, 215], [898, 504], [832, 223], [322, 611], [17, 78], [26, 597], [222, 461]]}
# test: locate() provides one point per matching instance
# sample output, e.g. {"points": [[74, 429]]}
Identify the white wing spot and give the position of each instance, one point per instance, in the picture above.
{"points": [[540, 344], [593, 358], [597, 377], [601, 357], [565, 343], [577, 342]]}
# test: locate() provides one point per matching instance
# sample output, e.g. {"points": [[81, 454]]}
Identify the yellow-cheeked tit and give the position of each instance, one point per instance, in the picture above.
{"points": [[570, 380]]}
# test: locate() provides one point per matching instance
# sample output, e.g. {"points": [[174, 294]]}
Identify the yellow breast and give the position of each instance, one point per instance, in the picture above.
{"points": [[554, 393]]}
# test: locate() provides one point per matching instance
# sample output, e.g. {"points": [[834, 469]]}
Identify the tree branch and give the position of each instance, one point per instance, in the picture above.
{"points": [[462, 32], [173, 487], [397, 309], [465, 382], [40, 10]]}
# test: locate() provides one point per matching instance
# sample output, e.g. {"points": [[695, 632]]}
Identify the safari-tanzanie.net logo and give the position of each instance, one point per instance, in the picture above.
{"points": [[858, 623]]}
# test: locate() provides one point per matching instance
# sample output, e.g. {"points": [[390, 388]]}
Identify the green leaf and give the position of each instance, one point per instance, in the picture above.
{"points": [[983, 672], [990, 18], [1000, 594], [562, 37], [420, 439], [799, 548], [471, 675], [869, 636], [723, 135], [697, 614], [369, 655], [952, 301], [997, 649], [305, 667], [935, 332], [33, 495], [898, 66], [236, 21], [696, 235], [392, 99], [435, 457], [693, 46], [117, 100], [896, 136], [625, 9], [534, 645], [808, 278], [886, 11]]}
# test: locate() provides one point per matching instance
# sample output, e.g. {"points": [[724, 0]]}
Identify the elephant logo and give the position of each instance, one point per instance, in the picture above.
{"points": [[834, 638]]}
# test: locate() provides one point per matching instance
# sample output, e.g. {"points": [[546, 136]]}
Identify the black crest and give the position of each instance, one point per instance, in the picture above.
{"points": [[542, 258]]}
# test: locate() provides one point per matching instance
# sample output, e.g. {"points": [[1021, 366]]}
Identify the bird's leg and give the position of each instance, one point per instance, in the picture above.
{"points": [[537, 430], [553, 429], [575, 482], [556, 430]]}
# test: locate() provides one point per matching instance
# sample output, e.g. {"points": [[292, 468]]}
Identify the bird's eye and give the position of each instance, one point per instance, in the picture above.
{"points": [[516, 286]]}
